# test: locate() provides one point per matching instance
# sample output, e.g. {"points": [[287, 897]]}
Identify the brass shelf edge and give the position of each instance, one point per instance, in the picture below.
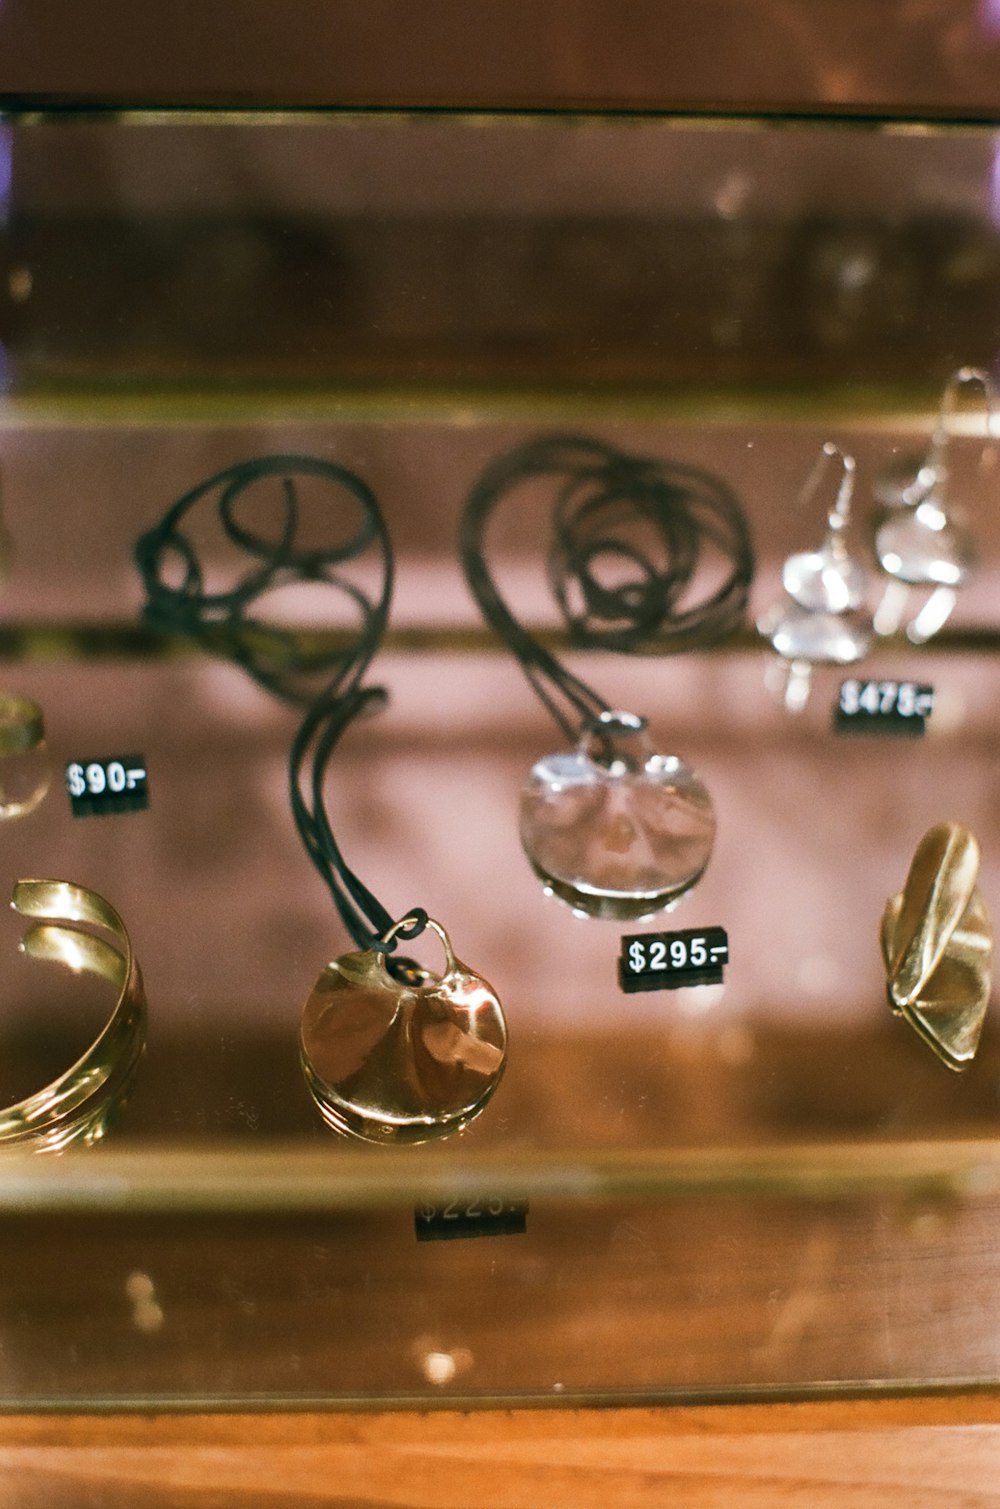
{"points": [[128, 639], [862, 408], [104, 1407], [282, 1177]]}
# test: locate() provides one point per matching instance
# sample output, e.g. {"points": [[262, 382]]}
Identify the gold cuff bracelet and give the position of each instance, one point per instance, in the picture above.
{"points": [[77, 1105]]}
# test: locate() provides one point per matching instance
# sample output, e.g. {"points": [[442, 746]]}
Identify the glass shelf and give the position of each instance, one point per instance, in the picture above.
{"points": [[769, 1189]]}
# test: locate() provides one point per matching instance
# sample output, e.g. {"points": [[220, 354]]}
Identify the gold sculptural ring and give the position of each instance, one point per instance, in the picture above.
{"points": [[25, 771], [77, 1105], [401, 1057], [937, 944]]}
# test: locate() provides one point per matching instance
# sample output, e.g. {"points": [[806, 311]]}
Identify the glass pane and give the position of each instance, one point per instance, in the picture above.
{"points": [[478, 253], [768, 1185]]}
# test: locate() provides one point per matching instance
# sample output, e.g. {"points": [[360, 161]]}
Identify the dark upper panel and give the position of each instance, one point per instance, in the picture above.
{"points": [[935, 58], [337, 250]]}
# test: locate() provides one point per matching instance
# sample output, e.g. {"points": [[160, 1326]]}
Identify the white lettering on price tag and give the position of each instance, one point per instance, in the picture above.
{"points": [[485, 1215], [655, 961], [679, 953], [110, 785], [884, 705]]}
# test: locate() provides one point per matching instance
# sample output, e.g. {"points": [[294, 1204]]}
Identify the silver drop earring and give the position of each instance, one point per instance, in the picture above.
{"points": [[820, 619], [917, 542]]}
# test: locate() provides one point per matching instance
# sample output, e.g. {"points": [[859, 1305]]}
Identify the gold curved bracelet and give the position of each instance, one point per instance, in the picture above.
{"points": [[77, 1105]]}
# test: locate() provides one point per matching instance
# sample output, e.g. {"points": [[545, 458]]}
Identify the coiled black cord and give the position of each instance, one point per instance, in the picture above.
{"points": [[224, 623], [629, 560]]}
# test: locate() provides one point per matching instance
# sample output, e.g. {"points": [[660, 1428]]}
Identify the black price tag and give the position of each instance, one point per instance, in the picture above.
{"points": [[666, 961], [470, 1216], [883, 707], [115, 784]]}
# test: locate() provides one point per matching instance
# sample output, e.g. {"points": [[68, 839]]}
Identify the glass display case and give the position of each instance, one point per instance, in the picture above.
{"points": [[767, 1187]]}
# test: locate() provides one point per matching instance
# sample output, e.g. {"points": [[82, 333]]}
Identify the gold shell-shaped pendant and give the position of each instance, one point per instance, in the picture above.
{"points": [[401, 1061]]}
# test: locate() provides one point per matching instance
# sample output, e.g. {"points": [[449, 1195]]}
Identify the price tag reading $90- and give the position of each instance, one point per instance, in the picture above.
{"points": [[114, 784]]}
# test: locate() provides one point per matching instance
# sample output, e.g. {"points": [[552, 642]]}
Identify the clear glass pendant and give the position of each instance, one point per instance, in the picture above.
{"points": [[799, 633], [921, 547], [613, 828]]}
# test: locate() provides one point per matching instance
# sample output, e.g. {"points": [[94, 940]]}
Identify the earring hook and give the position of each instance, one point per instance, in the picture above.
{"points": [[821, 618], [839, 514], [935, 463]]}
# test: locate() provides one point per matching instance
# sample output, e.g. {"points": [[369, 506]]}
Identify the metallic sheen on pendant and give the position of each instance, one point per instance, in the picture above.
{"points": [[401, 1060], [937, 945], [613, 828]]}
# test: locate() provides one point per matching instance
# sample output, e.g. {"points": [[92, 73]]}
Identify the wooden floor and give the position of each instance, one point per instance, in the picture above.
{"points": [[938, 1452]]}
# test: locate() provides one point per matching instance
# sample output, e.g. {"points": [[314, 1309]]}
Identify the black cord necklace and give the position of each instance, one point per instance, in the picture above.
{"points": [[223, 620], [643, 555], [390, 1052]]}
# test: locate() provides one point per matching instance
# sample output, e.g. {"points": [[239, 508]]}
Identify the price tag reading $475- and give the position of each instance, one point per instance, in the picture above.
{"points": [[883, 707]]}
